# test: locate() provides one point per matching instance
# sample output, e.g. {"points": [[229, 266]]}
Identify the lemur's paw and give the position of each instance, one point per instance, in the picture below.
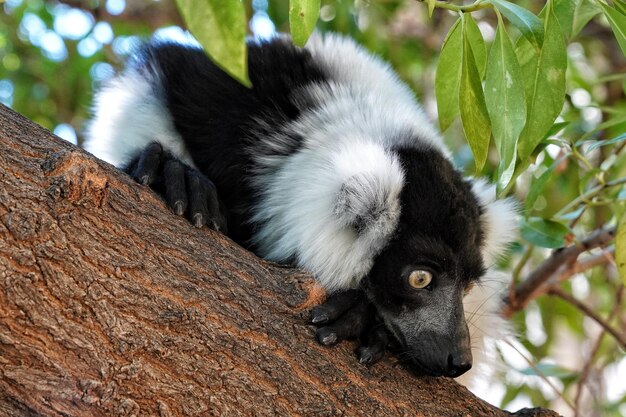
{"points": [[349, 315], [375, 340], [186, 190]]}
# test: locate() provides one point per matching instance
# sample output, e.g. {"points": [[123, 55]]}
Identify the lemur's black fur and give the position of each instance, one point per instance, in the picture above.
{"points": [[407, 210], [215, 114]]}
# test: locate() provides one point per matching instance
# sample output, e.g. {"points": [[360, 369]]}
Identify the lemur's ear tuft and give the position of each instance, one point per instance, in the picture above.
{"points": [[499, 220], [364, 203], [368, 199]]}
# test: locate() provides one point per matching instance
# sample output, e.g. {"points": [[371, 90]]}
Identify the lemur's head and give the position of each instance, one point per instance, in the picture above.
{"points": [[441, 231]]}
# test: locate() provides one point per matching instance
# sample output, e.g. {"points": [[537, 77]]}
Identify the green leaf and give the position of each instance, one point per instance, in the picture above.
{"points": [[511, 394], [573, 15], [620, 248], [448, 76], [478, 44], [600, 143], [620, 5], [220, 27], [473, 108], [544, 78], [303, 16], [538, 184], [549, 369], [614, 121], [571, 215], [618, 24], [556, 128], [506, 104], [543, 233], [525, 21], [584, 11]]}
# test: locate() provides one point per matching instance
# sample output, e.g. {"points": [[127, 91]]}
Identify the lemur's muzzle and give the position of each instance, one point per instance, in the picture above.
{"points": [[435, 337]]}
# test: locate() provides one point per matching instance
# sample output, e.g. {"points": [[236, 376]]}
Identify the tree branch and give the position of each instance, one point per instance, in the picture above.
{"points": [[534, 284], [590, 313], [112, 305], [153, 14], [591, 261]]}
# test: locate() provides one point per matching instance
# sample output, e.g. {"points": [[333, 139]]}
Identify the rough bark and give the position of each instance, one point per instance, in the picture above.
{"points": [[111, 305]]}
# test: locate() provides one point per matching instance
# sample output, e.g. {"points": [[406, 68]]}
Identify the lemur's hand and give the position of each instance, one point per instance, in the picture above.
{"points": [[349, 315], [186, 190]]}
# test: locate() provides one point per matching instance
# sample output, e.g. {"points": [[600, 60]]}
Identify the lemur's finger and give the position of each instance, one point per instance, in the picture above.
{"points": [[203, 203], [348, 326], [148, 164], [374, 344], [174, 183], [334, 307]]}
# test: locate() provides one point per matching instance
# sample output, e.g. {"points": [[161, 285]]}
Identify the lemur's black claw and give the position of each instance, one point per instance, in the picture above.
{"points": [[334, 307], [364, 355], [375, 340], [318, 316], [198, 220], [326, 336], [147, 164], [179, 208]]}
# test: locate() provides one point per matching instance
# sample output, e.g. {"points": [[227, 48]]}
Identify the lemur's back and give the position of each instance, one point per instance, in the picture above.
{"points": [[175, 95], [209, 107]]}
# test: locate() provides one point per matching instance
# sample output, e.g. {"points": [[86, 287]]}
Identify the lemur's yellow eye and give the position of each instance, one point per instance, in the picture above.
{"points": [[420, 279]]}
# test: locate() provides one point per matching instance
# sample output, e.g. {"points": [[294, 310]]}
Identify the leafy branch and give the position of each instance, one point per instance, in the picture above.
{"points": [[535, 283]]}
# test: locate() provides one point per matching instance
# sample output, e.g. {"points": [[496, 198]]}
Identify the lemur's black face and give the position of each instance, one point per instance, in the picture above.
{"points": [[418, 281]]}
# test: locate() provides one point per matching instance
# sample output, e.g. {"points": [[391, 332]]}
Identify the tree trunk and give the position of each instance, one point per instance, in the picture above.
{"points": [[112, 305]]}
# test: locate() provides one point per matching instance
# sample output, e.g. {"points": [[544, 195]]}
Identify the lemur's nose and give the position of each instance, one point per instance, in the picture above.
{"points": [[458, 365]]}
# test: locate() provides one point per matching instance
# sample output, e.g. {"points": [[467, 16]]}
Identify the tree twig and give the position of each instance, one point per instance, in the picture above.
{"points": [[468, 8], [620, 338], [533, 285], [541, 375], [584, 374], [590, 195], [591, 261]]}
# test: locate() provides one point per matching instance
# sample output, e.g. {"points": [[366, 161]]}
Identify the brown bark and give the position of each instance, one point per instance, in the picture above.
{"points": [[111, 305]]}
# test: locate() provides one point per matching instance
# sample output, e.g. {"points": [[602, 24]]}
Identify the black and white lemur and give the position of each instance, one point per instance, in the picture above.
{"points": [[329, 163]]}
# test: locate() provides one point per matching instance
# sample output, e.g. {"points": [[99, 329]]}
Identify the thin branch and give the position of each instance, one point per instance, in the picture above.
{"points": [[584, 374], [522, 263], [531, 287], [620, 338], [477, 5], [153, 14], [541, 375], [586, 197], [604, 257]]}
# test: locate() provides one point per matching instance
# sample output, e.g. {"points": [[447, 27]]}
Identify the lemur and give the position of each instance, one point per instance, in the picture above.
{"points": [[327, 162]]}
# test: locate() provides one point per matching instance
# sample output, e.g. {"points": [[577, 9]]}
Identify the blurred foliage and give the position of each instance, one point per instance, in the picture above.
{"points": [[568, 171]]}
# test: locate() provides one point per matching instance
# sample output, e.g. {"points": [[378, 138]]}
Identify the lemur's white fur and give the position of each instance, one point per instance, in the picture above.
{"points": [[129, 114], [328, 185], [482, 306], [374, 86], [498, 220]]}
